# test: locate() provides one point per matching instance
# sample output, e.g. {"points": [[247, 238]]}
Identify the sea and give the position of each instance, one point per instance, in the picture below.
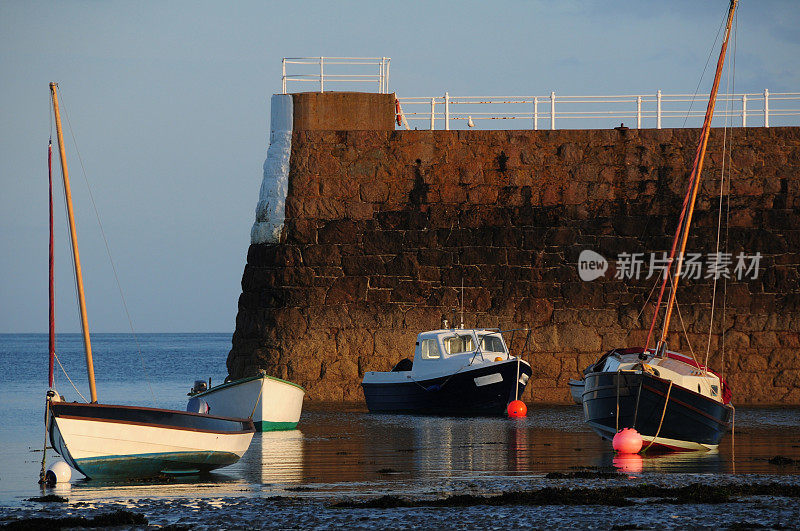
{"points": [[345, 468]]}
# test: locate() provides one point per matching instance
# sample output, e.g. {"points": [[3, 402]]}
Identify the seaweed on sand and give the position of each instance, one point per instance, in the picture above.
{"points": [[48, 498], [112, 519], [616, 496]]}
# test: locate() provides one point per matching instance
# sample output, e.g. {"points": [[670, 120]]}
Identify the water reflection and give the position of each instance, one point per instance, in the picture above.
{"points": [[274, 457], [335, 451]]}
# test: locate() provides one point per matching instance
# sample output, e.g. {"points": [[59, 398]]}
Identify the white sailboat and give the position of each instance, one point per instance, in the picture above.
{"points": [[101, 440]]}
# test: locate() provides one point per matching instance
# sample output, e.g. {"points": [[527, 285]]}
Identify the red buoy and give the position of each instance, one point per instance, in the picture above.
{"points": [[517, 408], [627, 441]]}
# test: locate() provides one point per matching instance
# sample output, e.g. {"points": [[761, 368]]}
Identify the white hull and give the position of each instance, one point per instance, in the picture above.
{"points": [[107, 448], [277, 403]]}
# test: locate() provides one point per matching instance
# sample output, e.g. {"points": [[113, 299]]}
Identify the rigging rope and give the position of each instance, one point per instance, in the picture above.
{"points": [[108, 252], [719, 214], [705, 67], [70, 380], [728, 213], [661, 422], [693, 183]]}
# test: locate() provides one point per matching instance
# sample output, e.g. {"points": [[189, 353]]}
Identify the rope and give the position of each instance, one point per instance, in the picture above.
{"points": [[708, 60], [661, 422], [728, 213], [686, 335], [719, 214], [43, 472], [260, 390], [649, 296], [443, 383], [516, 384], [733, 439], [70, 379], [638, 395], [616, 417], [108, 252]]}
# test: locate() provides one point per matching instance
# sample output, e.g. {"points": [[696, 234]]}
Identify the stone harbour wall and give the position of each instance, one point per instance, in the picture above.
{"points": [[383, 227]]}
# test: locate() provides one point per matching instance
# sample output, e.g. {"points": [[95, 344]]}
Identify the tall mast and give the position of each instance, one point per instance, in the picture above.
{"points": [[698, 169], [74, 238], [51, 270]]}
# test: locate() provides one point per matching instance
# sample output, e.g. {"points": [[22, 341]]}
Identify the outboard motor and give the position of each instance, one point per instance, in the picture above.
{"points": [[197, 405], [199, 386]]}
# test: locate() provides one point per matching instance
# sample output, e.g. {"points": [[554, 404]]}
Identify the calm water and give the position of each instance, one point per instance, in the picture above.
{"points": [[340, 454]]}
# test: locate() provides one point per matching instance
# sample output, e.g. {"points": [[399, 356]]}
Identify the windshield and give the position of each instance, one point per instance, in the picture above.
{"points": [[459, 343], [492, 343]]}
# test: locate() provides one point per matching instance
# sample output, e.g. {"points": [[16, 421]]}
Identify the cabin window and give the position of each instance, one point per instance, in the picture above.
{"points": [[492, 344], [459, 344], [714, 390], [430, 350]]}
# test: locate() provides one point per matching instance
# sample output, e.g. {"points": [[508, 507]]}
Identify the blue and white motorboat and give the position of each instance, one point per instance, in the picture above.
{"points": [[454, 372]]}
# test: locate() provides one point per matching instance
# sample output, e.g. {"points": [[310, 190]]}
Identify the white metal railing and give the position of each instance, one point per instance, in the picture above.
{"points": [[678, 110], [345, 70]]}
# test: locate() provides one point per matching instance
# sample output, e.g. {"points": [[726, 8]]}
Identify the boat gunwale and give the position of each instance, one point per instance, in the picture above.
{"points": [[55, 405], [463, 370], [154, 425], [246, 379]]}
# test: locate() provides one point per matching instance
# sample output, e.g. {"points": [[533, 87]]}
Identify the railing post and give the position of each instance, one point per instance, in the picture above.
{"points": [[283, 74], [766, 108], [321, 75], [433, 111], [638, 112], [446, 111], [658, 111], [380, 76], [386, 75], [744, 110], [535, 113], [552, 110]]}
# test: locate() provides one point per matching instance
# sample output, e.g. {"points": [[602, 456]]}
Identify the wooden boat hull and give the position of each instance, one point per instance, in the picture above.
{"points": [[278, 403], [464, 393], [691, 420], [107, 441]]}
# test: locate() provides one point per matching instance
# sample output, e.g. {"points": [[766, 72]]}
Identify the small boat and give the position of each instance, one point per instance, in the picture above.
{"points": [[111, 441], [274, 404], [454, 372], [576, 390], [115, 441], [671, 399]]}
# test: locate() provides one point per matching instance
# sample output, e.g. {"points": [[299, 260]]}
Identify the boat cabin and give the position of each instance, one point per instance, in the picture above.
{"points": [[678, 368], [445, 350]]}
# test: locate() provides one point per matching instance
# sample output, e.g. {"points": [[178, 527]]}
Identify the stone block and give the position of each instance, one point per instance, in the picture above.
{"points": [[347, 289]]}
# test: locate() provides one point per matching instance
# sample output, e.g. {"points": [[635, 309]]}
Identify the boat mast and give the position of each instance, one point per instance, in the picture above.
{"points": [[51, 270], [697, 171], [87, 342]]}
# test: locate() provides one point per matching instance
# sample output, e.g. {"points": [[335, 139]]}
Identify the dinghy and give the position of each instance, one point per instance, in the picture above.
{"points": [[278, 403], [121, 442]]}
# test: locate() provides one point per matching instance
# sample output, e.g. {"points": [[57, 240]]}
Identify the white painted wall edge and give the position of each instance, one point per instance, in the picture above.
{"points": [[271, 208]]}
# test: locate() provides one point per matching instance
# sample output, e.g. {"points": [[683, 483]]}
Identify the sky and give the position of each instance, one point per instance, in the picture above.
{"points": [[169, 106]]}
